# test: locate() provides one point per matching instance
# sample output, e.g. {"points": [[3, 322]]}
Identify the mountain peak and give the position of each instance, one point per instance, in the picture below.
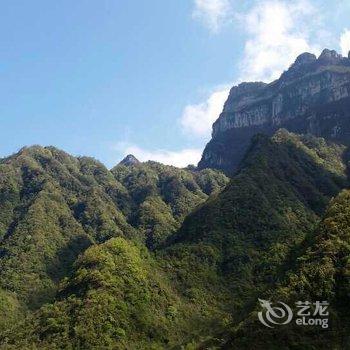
{"points": [[305, 57], [130, 159], [330, 55]]}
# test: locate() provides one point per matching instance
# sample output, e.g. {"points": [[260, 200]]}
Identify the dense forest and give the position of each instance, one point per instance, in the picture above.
{"points": [[148, 256]]}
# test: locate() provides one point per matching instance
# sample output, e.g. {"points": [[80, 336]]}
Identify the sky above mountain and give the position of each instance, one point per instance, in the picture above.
{"points": [[108, 78]]}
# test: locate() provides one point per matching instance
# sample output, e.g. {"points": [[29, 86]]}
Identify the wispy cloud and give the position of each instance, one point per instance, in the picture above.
{"points": [[277, 32], [180, 158], [197, 119], [345, 42], [212, 13]]}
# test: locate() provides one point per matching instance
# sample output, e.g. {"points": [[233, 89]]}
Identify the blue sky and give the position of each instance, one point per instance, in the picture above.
{"points": [[106, 78]]}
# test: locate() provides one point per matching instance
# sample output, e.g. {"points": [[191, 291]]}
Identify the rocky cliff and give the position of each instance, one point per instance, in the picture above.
{"points": [[312, 96]]}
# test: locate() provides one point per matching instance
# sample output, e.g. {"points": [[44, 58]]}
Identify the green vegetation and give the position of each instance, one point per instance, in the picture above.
{"points": [[266, 210], [161, 196], [148, 256], [53, 206], [321, 272], [116, 298]]}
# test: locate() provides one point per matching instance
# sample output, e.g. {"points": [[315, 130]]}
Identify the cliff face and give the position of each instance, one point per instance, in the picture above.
{"points": [[312, 96]]}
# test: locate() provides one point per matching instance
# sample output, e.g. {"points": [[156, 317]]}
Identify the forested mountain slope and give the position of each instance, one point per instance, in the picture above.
{"points": [[202, 282], [160, 196], [321, 273], [252, 227], [53, 206]]}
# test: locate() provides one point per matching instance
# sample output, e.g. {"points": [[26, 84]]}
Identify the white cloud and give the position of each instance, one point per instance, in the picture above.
{"points": [[345, 42], [197, 119], [278, 31], [180, 158], [212, 12]]}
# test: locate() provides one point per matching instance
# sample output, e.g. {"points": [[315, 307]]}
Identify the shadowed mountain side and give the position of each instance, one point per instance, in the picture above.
{"points": [[252, 227], [321, 272]]}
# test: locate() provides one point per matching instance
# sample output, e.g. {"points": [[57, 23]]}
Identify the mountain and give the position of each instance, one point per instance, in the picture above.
{"points": [[53, 206], [312, 96], [204, 280]]}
